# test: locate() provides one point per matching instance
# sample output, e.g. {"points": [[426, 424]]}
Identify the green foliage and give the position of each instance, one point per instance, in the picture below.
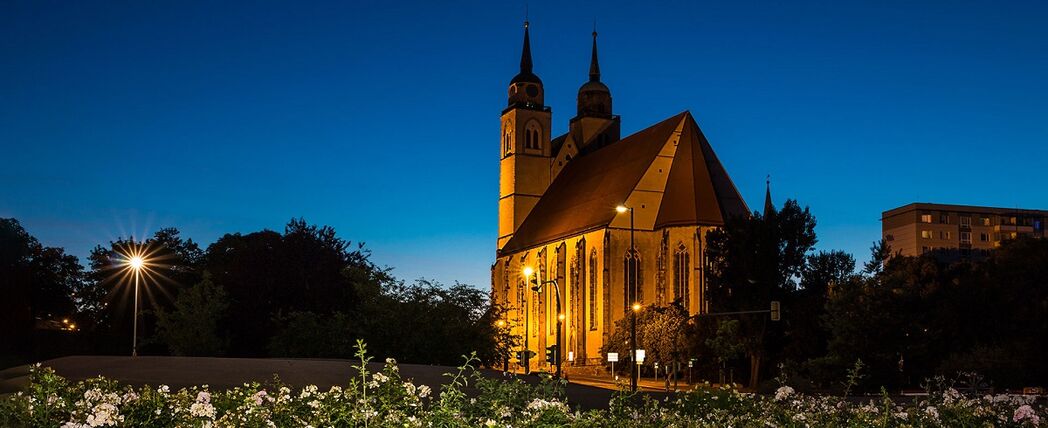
{"points": [[192, 327], [662, 332], [469, 399]]}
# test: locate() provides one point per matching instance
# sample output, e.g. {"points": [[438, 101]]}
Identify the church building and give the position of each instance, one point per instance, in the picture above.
{"points": [[570, 206]]}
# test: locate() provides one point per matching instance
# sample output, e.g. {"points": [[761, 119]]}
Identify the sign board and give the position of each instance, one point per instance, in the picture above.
{"points": [[640, 356], [690, 363], [613, 357], [571, 355]]}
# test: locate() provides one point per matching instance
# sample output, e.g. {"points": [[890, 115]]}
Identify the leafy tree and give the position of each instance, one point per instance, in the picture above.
{"points": [[805, 336], [753, 260], [38, 284], [725, 344], [174, 264], [662, 332], [192, 327]]}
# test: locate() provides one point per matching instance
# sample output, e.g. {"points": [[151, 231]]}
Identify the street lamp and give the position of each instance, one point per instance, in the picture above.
{"points": [[632, 286], [135, 261], [536, 286]]}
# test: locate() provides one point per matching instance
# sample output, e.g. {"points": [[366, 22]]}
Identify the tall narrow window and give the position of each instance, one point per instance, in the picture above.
{"points": [[507, 141], [681, 269], [631, 279], [533, 134], [593, 290]]}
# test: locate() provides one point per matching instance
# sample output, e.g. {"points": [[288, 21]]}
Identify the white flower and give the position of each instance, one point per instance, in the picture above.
{"points": [[380, 378], [783, 392], [423, 391], [1026, 413], [932, 412], [163, 389]]}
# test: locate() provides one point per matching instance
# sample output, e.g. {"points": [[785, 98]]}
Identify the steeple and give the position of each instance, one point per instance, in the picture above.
{"points": [[594, 66], [768, 206], [594, 98], [525, 90], [525, 54]]}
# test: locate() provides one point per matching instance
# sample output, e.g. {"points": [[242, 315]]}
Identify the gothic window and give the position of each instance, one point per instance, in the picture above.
{"points": [[593, 290], [681, 266], [507, 140], [632, 279], [532, 136]]}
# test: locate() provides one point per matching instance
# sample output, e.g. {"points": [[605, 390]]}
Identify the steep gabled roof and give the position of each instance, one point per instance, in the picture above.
{"points": [[584, 195]]}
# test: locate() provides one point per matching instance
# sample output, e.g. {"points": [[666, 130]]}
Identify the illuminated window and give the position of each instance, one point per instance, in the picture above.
{"points": [[986, 221], [681, 265], [926, 234], [631, 279], [593, 290], [926, 218]]}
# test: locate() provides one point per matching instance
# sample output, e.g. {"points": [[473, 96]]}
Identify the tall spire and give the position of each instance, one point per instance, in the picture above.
{"points": [[525, 55], [594, 66], [768, 206]]}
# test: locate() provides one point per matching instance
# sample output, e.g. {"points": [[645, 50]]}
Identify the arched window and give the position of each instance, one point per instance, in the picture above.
{"points": [[632, 279], [507, 140], [533, 135], [681, 268], [593, 290]]}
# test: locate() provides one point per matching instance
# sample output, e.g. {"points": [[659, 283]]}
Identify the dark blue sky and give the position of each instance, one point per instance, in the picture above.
{"points": [[381, 118]]}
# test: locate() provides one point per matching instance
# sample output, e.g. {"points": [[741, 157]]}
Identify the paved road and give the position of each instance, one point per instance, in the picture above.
{"points": [[222, 373]]}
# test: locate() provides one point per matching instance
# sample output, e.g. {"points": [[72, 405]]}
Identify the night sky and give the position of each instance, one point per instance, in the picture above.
{"points": [[381, 119]]}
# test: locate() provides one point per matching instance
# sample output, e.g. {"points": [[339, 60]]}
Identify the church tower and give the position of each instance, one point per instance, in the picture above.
{"points": [[594, 126], [524, 169]]}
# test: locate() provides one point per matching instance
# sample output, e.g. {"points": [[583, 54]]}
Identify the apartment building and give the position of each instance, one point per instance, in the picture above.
{"points": [[961, 230]]}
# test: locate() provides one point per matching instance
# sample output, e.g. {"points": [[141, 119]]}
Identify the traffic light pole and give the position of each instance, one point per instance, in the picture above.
{"points": [[537, 287]]}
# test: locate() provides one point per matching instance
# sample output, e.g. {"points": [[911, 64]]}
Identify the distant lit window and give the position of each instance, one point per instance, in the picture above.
{"points": [[926, 218], [926, 234], [986, 221]]}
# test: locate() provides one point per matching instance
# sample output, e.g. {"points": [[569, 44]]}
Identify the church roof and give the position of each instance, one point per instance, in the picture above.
{"points": [[584, 195]]}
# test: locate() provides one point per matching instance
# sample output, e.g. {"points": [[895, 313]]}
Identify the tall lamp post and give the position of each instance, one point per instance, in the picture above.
{"points": [[632, 286], [135, 262], [536, 286]]}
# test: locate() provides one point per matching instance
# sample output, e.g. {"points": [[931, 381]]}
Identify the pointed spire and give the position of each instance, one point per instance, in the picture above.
{"points": [[768, 206], [525, 55], [594, 66]]}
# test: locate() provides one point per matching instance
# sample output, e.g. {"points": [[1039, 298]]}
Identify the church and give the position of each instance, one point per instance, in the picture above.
{"points": [[570, 206]]}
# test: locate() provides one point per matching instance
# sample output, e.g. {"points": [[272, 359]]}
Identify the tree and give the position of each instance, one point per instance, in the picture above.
{"points": [[753, 260], [38, 285], [662, 332], [805, 336], [174, 264], [192, 327], [725, 344]]}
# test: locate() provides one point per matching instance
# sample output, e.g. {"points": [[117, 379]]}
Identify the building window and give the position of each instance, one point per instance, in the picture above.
{"points": [[533, 136], [944, 234], [944, 218], [926, 234], [507, 141], [631, 277], [986, 221], [593, 290], [966, 222], [926, 218], [984, 237], [681, 268], [966, 237]]}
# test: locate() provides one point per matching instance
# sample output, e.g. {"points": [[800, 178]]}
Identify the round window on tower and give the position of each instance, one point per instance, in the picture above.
{"points": [[532, 90]]}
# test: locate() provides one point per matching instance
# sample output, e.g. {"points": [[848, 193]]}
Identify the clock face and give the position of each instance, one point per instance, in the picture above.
{"points": [[532, 90]]}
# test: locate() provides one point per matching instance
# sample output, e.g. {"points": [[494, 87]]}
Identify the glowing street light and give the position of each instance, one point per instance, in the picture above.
{"points": [[134, 262], [631, 283]]}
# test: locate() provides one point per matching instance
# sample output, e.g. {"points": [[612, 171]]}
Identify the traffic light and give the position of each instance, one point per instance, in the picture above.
{"points": [[775, 314], [551, 354]]}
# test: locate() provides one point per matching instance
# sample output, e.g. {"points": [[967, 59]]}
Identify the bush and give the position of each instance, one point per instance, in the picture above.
{"points": [[383, 398]]}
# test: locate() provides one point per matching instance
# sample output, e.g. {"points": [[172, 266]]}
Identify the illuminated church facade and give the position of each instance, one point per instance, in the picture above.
{"points": [[557, 216]]}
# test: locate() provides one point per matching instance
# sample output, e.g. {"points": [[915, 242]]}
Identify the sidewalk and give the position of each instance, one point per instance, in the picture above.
{"points": [[643, 384]]}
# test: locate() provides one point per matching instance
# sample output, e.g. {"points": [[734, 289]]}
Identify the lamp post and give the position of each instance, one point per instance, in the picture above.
{"points": [[632, 286], [536, 286], [135, 263]]}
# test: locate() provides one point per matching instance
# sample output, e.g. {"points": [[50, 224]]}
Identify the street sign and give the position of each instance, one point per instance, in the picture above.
{"points": [[571, 356], [613, 357], [775, 315], [640, 356], [690, 364]]}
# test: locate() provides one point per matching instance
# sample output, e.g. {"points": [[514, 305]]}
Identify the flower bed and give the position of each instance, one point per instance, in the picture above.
{"points": [[384, 399]]}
